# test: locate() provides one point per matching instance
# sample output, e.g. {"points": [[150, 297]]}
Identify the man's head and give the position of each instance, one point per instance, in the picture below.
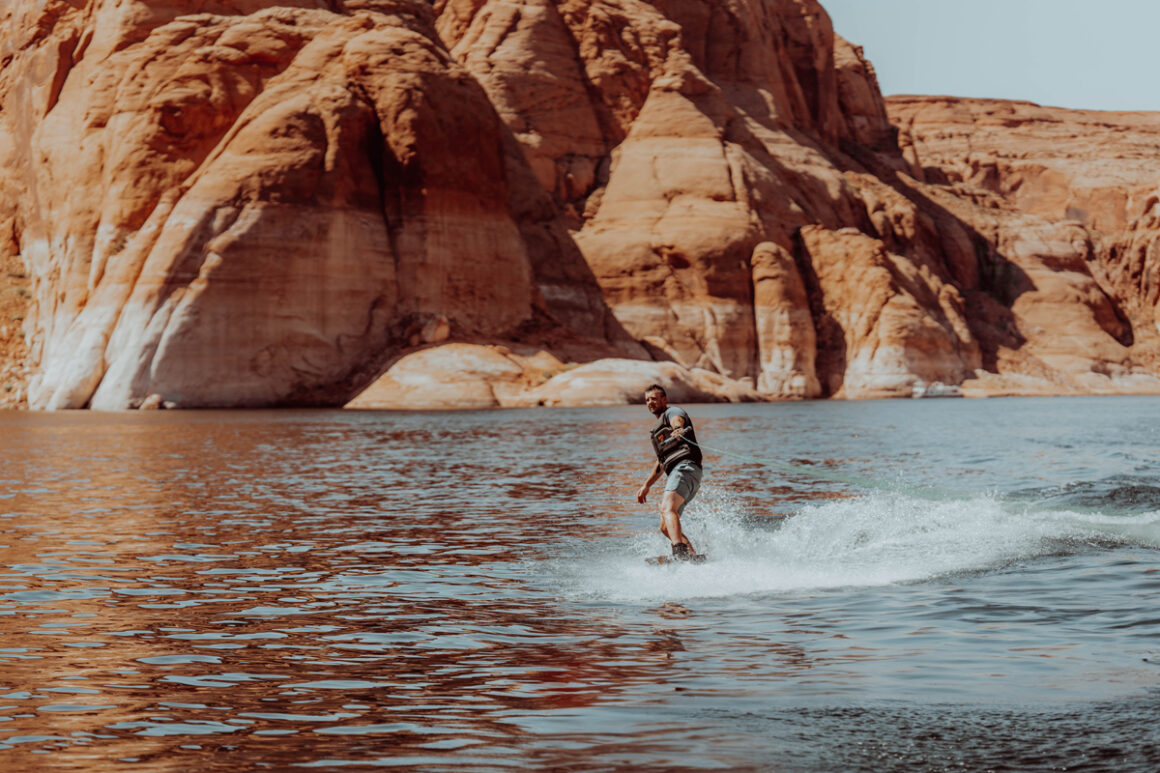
{"points": [[656, 400]]}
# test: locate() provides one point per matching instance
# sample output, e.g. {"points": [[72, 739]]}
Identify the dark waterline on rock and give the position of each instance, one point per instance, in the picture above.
{"points": [[273, 590]]}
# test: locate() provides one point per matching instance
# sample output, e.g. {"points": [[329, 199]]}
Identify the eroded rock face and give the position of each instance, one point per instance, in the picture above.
{"points": [[787, 340], [15, 300], [717, 132], [257, 205], [611, 106], [238, 204], [883, 320], [1067, 204], [736, 134]]}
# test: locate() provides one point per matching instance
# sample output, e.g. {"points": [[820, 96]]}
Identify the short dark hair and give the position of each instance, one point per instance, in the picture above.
{"points": [[656, 388]]}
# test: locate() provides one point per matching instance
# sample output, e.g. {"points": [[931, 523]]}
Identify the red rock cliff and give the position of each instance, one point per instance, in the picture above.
{"points": [[1066, 201], [263, 205], [692, 146], [259, 205]]}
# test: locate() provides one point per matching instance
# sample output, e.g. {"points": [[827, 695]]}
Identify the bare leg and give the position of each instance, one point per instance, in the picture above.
{"points": [[671, 519]]}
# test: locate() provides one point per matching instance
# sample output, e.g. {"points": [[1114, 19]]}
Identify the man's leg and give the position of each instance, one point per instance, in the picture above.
{"points": [[671, 505]]}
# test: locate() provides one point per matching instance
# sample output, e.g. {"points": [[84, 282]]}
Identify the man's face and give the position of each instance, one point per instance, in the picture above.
{"points": [[655, 402]]}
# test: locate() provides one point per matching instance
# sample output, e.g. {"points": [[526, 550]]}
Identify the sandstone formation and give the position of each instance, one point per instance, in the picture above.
{"points": [[885, 319], [255, 205], [1066, 202], [458, 376], [480, 376], [687, 156], [14, 306], [461, 204]]}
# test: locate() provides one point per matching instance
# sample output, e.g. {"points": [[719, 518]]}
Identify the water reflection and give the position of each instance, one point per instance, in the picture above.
{"points": [[173, 588], [268, 590]]}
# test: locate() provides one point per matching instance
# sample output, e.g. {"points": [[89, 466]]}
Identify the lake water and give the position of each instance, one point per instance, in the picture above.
{"points": [[900, 585]]}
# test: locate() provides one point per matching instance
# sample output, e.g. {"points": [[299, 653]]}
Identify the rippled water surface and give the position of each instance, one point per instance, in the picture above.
{"points": [[907, 585]]}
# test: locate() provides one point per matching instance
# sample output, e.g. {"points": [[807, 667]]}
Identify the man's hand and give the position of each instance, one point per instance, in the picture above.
{"points": [[642, 494]]}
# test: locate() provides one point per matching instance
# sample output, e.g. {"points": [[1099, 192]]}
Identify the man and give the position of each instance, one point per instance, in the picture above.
{"points": [[679, 459]]}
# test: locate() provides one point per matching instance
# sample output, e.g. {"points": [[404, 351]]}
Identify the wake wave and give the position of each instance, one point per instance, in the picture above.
{"points": [[875, 540]]}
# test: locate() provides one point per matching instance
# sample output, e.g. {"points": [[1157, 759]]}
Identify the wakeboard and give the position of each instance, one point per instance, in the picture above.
{"points": [[698, 558]]}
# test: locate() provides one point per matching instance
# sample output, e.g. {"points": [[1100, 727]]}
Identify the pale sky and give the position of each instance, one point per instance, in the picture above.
{"points": [[1082, 54]]}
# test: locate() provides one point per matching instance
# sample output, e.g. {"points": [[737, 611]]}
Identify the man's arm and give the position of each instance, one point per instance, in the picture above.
{"points": [[642, 494], [678, 421]]}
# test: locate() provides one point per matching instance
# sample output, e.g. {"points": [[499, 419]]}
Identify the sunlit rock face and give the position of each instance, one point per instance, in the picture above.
{"points": [[255, 205], [1066, 201], [706, 154], [688, 143], [240, 204]]}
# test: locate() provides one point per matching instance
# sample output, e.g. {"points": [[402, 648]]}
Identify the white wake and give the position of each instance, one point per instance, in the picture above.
{"points": [[873, 540]]}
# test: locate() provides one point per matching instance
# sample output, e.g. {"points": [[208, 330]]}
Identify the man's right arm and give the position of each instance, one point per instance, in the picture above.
{"points": [[642, 494]]}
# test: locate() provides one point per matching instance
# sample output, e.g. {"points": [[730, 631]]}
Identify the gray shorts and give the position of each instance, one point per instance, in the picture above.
{"points": [[685, 479]]}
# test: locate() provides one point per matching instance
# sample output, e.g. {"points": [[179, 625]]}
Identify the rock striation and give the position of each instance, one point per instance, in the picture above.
{"points": [[250, 205], [461, 204], [689, 145], [14, 306], [1066, 203]]}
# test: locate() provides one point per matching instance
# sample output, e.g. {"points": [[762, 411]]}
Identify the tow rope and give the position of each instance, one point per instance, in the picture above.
{"points": [[921, 492]]}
